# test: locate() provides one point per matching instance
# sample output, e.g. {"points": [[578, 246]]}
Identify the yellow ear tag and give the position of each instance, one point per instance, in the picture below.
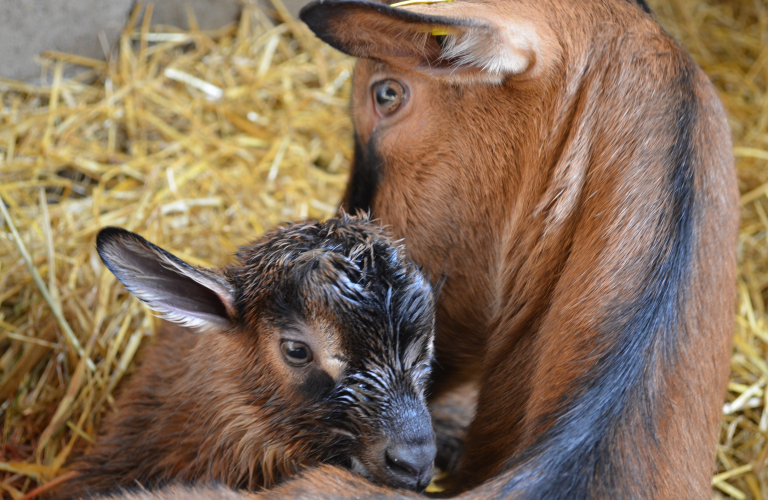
{"points": [[441, 31], [414, 2]]}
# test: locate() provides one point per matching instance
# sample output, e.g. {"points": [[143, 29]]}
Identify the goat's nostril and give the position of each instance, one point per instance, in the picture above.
{"points": [[412, 464], [399, 464]]}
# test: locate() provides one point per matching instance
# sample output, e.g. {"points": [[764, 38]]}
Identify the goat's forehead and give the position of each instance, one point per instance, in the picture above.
{"points": [[376, 328], [387, 308], [385, 340], [347, 282]]}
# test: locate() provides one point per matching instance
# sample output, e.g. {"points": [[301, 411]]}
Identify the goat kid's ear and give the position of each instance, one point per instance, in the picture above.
{"points": [[191, 296], [453, 39]]}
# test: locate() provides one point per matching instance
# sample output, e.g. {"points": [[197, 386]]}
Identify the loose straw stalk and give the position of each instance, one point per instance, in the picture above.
{"points": [[70, 335]]}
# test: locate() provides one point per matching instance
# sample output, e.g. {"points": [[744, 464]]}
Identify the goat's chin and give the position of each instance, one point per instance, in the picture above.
{"points": [[357, 466]]}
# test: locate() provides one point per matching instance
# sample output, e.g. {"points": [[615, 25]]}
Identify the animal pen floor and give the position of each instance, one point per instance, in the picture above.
{"points": [[201, 141]]}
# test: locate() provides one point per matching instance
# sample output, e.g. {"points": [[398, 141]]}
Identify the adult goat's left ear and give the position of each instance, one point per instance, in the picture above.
{"points": [[456, 40]]}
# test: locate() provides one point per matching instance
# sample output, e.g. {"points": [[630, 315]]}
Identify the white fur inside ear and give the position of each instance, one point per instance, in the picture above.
{"points": [[189, 296], [498, 51], [220, 288]]}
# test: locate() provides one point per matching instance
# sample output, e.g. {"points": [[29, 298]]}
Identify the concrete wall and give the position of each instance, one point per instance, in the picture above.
{"points": [[29, 27]]}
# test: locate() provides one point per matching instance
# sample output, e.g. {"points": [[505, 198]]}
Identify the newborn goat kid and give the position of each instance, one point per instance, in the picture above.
{"points": [[314, 348]]}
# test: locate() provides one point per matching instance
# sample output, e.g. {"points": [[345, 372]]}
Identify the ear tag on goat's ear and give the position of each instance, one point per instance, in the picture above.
{"points": [[415, 2], [441, 31]]}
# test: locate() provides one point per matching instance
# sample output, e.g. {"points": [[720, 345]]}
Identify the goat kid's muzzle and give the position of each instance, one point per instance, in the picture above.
{"points": [[403, 456]]}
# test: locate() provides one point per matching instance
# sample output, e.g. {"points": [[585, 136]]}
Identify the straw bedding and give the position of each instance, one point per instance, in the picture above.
{"points": [[201, 141]]}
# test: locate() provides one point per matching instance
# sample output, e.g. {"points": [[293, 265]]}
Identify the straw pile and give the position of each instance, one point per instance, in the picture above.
{"points": [[201, 141]]}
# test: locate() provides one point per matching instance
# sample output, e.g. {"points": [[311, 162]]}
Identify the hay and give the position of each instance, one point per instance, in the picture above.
{"points": [[200, 141]]}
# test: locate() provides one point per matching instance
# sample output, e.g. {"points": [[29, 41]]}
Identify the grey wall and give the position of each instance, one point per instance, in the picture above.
{"points": [[29, 27]]}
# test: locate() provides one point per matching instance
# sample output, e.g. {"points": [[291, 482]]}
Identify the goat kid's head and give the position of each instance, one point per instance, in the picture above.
{"points": [[330, 329]]}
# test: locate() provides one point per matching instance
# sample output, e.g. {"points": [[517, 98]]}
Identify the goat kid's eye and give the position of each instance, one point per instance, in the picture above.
{"points": [[296, 353], [388, 95]]}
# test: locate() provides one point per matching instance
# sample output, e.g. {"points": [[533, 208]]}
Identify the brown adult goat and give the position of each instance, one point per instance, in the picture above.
{"points": [[315, 348], [566, 169]]}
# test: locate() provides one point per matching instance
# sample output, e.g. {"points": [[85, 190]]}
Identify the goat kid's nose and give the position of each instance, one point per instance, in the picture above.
{"points": [[411, 464]]}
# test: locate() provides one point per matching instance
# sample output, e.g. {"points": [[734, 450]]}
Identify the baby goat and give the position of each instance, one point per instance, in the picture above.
{"points": [[314, 348]]}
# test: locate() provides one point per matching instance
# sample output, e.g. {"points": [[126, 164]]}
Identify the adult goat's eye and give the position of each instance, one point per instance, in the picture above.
{"points": [[296, 353], [389, 96]]}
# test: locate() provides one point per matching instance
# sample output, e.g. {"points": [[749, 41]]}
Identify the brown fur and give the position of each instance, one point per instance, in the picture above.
{"points": [[178, 492], [223, 405]]}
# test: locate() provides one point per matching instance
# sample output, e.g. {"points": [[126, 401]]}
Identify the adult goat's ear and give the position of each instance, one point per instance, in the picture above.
{"points": [[192, 296], [455, 40]]}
